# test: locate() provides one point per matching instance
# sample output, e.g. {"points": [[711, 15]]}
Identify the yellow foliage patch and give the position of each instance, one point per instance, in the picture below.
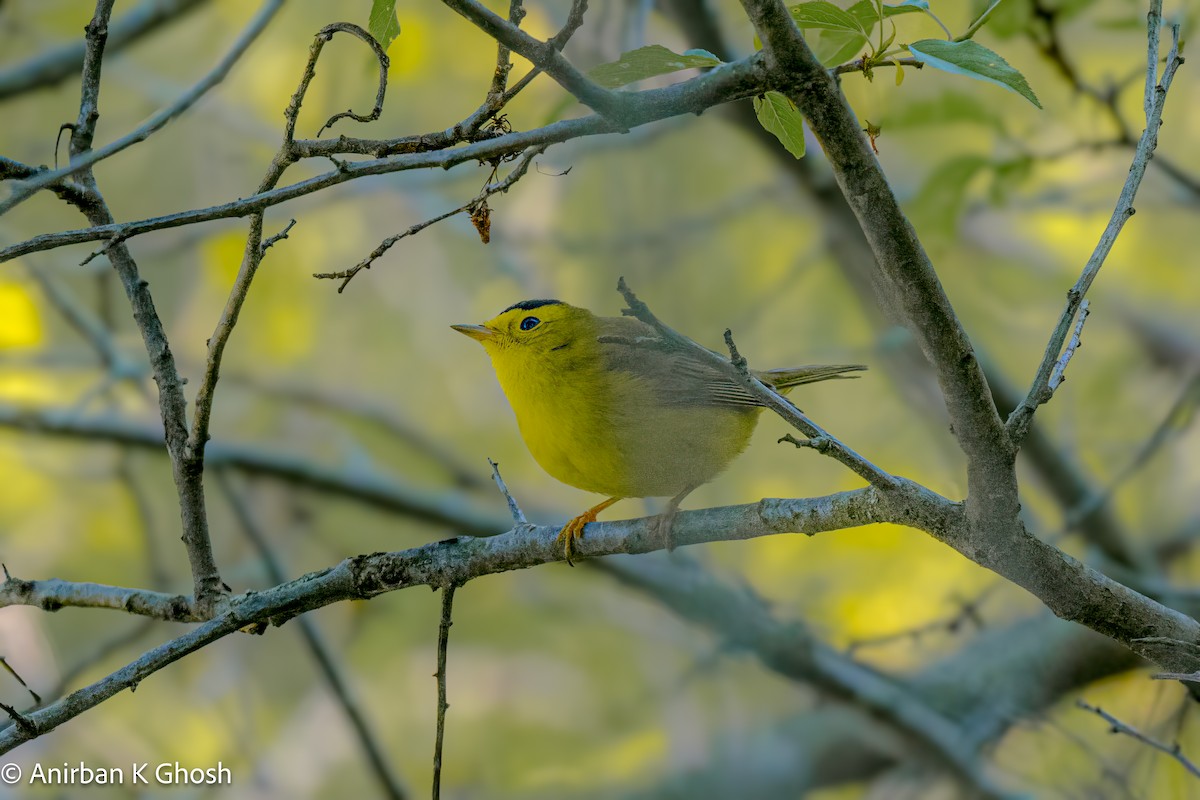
{"points": [[20, 322], [623, 760], [28, 386]]}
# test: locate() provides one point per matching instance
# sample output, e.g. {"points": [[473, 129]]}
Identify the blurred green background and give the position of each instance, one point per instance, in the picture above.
{"points": [[563, 682]]}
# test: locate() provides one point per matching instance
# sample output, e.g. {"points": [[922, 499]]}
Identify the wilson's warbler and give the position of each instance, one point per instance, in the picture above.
{"points": [[606, 406]]}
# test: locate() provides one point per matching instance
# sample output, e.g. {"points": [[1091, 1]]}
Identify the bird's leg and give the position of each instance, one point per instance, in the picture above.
{"points": [[574, 529], [667, 519]]}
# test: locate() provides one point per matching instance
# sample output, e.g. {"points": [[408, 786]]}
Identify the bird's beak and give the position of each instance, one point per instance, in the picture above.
{"points": [[477, 332]]}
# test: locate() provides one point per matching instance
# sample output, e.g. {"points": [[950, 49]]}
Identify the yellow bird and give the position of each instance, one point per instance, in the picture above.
{"points": [[605, 405]]}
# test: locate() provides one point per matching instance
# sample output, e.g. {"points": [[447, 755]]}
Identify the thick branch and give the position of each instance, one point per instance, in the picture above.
{"points": [[543, 55], [904, 266], [458, 560], [996, 537]]}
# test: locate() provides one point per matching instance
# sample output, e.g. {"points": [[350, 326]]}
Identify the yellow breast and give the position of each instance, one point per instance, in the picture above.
{"points": [[610, 432]]}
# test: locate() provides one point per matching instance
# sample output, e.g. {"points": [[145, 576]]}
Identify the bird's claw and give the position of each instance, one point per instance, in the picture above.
{"points": [[570, 532], [662, 527]]}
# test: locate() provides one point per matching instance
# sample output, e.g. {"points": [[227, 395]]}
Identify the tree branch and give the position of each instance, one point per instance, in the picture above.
{"points": [[442, 705], [719, 85], [543, 55], [461, 559], [1155, 100], [499, 187], [55, 594], [994, 535], [904, 267], [172, 404], [1117, 726], [27, 188]]}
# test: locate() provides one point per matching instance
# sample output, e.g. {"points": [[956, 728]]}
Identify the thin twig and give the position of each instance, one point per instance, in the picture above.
{"points": [[283, 234], [513, 508], [516, 13], [442, 705], [1057, 376], [78, 196], [558, 42], [254, 250], [54, 594], [258, 23], [27, 726], [1190, 677], [1157, 87], [1117, 726], [863, 65], [96, 36], [515, 174], [381, 60], [17, 676]]}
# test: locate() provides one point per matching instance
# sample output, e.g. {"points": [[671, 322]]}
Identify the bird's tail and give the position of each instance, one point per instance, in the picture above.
{"points": [[783, 379]]}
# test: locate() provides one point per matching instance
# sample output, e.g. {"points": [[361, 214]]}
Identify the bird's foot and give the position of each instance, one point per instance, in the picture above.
{"points": [[571, 531], [574, 529], [662, 529]]}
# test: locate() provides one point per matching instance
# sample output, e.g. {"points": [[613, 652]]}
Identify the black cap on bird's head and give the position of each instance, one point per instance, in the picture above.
{"points": [[530, 305]]}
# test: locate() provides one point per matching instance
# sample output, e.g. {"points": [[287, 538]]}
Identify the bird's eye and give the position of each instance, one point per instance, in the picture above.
{"points": [[529, 323]]}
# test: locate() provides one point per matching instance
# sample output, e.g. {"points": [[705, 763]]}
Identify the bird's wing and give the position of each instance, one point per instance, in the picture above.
{"points": [[631, 346]]}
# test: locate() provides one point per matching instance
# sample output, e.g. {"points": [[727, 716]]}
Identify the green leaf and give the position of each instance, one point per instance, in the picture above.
{"points": [[973, 60], [867, 13], [382, 23], [825, 16], [780, 117], [646, 62], [834, 48]]}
